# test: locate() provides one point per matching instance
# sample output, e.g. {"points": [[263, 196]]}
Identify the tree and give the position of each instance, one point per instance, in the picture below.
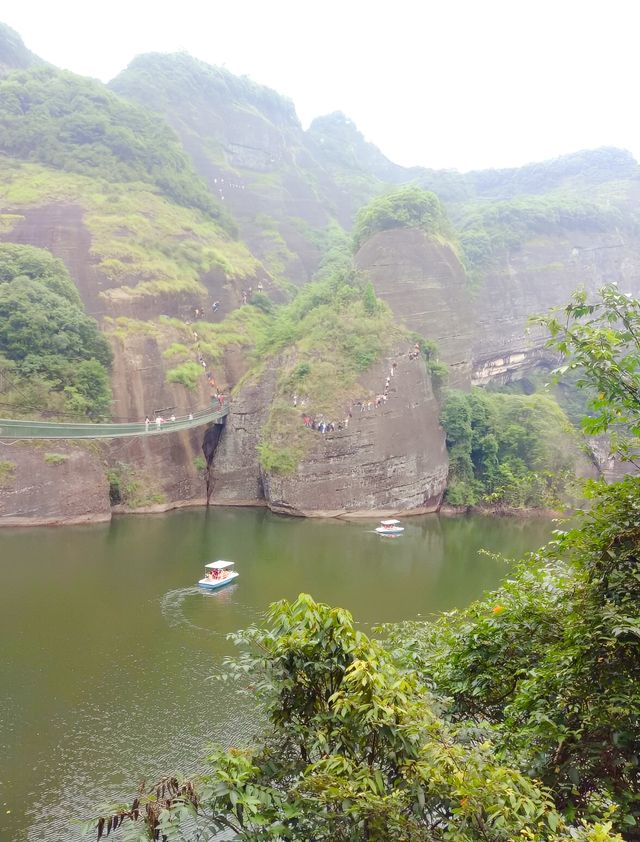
{"points": [[354, 750], [549, 664], [601, 340]]}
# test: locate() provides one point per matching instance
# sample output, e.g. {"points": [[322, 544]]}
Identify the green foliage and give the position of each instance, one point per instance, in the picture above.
{"points": [[55, 458], [550, 663], [130, 487], [513, 449], [76, 124], [353, 750], [45, 338], [200, 463], [143, 243], [331, 332], [37, 265], [404, 207], [262, 301], [600, 341], [7, 472], [188, 374], [487, 230]]}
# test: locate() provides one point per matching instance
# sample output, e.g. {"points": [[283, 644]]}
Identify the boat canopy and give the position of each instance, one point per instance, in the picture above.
{"points": [[218, 565], [391, 522]]}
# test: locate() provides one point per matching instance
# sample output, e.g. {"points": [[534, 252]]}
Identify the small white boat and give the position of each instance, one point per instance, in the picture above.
{"points": [[217, 575], [390, 527]]}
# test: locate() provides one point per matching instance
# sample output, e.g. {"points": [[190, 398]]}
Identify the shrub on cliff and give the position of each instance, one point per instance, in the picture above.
{"points": [[52, 355], [327, 336], [405, 207]]}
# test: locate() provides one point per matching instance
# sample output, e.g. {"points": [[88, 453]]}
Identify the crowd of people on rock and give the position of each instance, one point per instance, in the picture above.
{"points": [[318, 423]]}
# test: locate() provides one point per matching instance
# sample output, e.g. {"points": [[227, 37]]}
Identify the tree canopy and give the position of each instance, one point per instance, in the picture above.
{"points": [[405, 207], [78, 125], [47, 343], [599, 339]]}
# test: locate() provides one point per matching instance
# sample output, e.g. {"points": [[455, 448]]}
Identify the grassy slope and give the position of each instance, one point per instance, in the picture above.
{"points": [[144, 243]]}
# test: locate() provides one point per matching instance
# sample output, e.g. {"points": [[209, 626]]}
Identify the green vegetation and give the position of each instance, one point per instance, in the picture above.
{"points": [[517, 450], [549, 665], [52, 356], [144, 244], [7, 472], [129, 486], [76, 124], [601, 344], [487, 230], [188, 374], [354, 750], [200, 463], [324, 339], [405, 207], [55, 458]]}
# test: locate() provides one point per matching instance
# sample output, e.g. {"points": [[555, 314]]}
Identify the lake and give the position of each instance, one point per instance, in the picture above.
{"points": [[107, 645]]}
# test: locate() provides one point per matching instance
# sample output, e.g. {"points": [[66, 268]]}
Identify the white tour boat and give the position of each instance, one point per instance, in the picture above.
{"points": [[390, 527], [217, 575]]}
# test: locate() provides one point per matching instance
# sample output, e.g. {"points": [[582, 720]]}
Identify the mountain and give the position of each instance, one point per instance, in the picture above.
{"points": [[200, 222], [13, 53]]}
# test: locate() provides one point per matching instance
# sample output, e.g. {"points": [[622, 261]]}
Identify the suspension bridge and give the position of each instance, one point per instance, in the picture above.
{"points": [[13, 429]]}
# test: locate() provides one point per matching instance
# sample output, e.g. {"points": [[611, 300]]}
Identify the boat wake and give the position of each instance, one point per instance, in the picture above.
{"points": [[173, 605], [172, 608]]}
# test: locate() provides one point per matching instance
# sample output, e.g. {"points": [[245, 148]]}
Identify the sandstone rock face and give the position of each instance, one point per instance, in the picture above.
{"points": [[426, 286], [390, 459], [236, 471], [533, 278], [482, 332], [52, 484]]}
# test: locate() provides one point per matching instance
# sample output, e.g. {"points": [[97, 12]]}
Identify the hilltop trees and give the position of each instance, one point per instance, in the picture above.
{"points": [[405, 207], [75, 124], [52, 356]]}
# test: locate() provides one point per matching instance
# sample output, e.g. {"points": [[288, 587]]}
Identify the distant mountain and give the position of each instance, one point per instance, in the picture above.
{"points": [[13, 53]]}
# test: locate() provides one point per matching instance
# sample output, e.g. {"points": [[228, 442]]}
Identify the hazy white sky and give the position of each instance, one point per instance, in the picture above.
{"points": [[481, 83]]}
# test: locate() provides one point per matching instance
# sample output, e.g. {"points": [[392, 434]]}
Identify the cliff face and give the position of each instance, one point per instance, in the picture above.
{"points": [[52, 483], [388, 459], [482, 329], [542, 274], [426, 287], [246, 142]]}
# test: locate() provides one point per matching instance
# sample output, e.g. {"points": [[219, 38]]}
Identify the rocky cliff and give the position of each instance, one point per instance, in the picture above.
{"points": [[387, 459], [151, 249], [52, 483], [424, 283]]}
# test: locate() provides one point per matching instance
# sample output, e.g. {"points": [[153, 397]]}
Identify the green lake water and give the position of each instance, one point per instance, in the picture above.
{"points": [[107, 644]]}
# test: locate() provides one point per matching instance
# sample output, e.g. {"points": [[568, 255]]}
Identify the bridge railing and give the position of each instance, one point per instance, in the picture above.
{"points": [[14, 429]]}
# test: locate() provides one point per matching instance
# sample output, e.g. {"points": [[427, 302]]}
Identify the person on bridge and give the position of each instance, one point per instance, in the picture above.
{"points": [[158, 421], [146, 424], [173, 416], [191, 416]]}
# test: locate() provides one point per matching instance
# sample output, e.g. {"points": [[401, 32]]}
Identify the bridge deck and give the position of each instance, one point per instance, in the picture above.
{"points": [[10, 429]]}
